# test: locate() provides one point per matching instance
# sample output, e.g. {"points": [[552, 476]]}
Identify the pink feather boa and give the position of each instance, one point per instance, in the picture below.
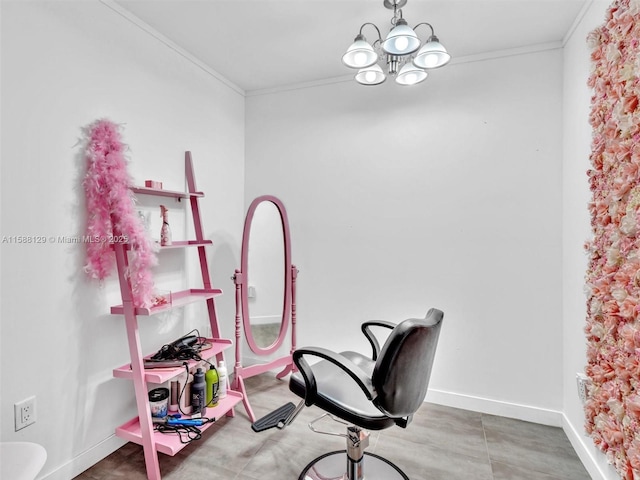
{"points": [[111, 212]]}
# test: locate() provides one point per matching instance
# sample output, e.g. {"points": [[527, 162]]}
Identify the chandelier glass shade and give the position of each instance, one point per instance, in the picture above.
{"points": [[402, 40], [432, 54], [372, 75], [409, 74], [400, 51], [360, 54]]}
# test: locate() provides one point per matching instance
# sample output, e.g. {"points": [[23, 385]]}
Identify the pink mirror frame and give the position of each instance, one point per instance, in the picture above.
{"points": [[243, 320], [244, 267]]}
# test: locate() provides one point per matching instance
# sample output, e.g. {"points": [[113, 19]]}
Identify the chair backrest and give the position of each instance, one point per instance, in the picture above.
{"points": [[403, 368]]}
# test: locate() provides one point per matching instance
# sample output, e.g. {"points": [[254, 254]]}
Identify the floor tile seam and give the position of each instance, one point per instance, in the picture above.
{"points": [[246, 475], [243, 470], [486, 445], [445, 451], [543, 470], [551, 475]]}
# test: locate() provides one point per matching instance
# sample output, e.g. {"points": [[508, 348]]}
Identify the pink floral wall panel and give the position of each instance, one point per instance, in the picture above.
{"points": [[613, 277]]}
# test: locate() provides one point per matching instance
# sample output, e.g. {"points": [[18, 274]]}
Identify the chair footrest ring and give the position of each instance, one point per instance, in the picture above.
{"points": [[332, 466]]}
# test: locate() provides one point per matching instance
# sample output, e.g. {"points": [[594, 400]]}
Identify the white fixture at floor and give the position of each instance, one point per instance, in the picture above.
{"points": [[21, 460]]}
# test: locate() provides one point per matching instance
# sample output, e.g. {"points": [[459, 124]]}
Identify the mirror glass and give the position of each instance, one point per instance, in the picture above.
{"points": [[265, 279]]}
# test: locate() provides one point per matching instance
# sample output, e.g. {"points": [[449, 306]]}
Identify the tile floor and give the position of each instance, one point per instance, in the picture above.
{"points": [[441, 443]]}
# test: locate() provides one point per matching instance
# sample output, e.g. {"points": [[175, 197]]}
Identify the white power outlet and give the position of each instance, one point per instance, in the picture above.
{"points": [[25, 412], [583, 384]]}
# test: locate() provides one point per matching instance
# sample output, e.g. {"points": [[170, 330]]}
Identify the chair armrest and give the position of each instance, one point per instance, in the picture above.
{"points": [[375, 345], [311, 386]]}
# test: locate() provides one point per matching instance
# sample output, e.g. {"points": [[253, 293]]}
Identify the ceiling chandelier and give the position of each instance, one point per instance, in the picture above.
{"points": [[399, 49]]}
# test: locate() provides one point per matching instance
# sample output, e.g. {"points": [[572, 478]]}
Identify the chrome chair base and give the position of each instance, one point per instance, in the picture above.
{"points": [[338, 466]]}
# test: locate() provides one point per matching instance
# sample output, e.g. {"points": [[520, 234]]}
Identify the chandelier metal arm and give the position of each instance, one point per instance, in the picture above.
{"points": [[374, 26], [428, 25]]}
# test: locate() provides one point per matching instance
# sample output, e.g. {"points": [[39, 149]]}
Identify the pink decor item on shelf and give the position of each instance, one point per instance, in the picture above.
{"points": [[153, 184], [165, 231], [111, 214]]}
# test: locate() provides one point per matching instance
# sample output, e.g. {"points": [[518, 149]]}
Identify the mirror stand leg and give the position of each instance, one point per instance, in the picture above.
{"points": [[287, 370]]}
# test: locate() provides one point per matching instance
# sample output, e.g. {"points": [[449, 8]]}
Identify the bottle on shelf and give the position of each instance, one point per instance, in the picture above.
{"points": [[174, 395], [198, 387], [223, 378], [184, 386], [212, 381]]}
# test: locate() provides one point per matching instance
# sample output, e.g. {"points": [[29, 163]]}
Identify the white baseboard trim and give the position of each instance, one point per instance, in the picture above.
{"points": [[85, 460], [490, 406], [594, 461]]}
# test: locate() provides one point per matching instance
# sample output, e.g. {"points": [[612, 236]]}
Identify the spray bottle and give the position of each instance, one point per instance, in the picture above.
{"points": [[165, 232]]}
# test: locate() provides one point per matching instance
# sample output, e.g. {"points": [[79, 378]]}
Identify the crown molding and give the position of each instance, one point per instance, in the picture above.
{"points": [[171, 44]]}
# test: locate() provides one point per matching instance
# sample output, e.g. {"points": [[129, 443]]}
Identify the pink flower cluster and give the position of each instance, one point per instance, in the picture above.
{"points": [[111, 212], [613, 277]]}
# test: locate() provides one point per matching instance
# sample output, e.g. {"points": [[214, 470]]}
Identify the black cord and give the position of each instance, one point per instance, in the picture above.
{"points": [[184, 386], [187, 433], [171, 352]]}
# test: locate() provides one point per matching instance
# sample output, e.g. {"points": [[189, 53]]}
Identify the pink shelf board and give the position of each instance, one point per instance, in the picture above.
{"points": [[161, 375], [187, 243], [178, 299], [175, 244], [170, 444], [165, 193]]}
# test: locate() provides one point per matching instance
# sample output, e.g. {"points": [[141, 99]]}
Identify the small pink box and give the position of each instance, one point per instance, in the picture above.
{"points": [[153, 184]]}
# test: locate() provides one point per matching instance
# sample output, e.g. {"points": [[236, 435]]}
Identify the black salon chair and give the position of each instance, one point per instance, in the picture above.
{"points": [[365, 394]]}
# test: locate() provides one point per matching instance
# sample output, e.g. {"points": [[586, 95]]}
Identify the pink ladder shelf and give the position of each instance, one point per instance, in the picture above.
{"points": [[178, 299], [161, 375], [176, 244], [140, 429], [171, 444], [161, 192]]}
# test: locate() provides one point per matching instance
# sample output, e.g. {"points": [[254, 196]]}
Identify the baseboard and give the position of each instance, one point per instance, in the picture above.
{"points": [[594, 461], [489, 406], [85, 460]]}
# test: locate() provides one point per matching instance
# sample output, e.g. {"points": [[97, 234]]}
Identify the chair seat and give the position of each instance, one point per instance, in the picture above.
{"points": [[340, 395]]}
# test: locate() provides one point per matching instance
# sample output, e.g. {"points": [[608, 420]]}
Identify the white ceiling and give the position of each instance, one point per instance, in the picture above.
{"points": [[258, 44]]}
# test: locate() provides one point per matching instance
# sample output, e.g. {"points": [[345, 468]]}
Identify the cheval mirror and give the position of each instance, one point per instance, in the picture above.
{"points": [[265, 293]]}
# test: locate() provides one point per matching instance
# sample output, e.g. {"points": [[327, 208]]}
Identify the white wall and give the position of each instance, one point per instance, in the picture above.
{"points": [[576, 230], [447, 194], [64, 65]]}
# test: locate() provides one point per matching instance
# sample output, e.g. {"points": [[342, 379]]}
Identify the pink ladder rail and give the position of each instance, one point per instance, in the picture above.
{"points": [[128, 309], [135, 351], [202, 254]]}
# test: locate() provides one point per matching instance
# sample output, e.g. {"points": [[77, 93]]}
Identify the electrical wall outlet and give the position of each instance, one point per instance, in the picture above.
{"points": [[25, 412], [583, 384]]}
